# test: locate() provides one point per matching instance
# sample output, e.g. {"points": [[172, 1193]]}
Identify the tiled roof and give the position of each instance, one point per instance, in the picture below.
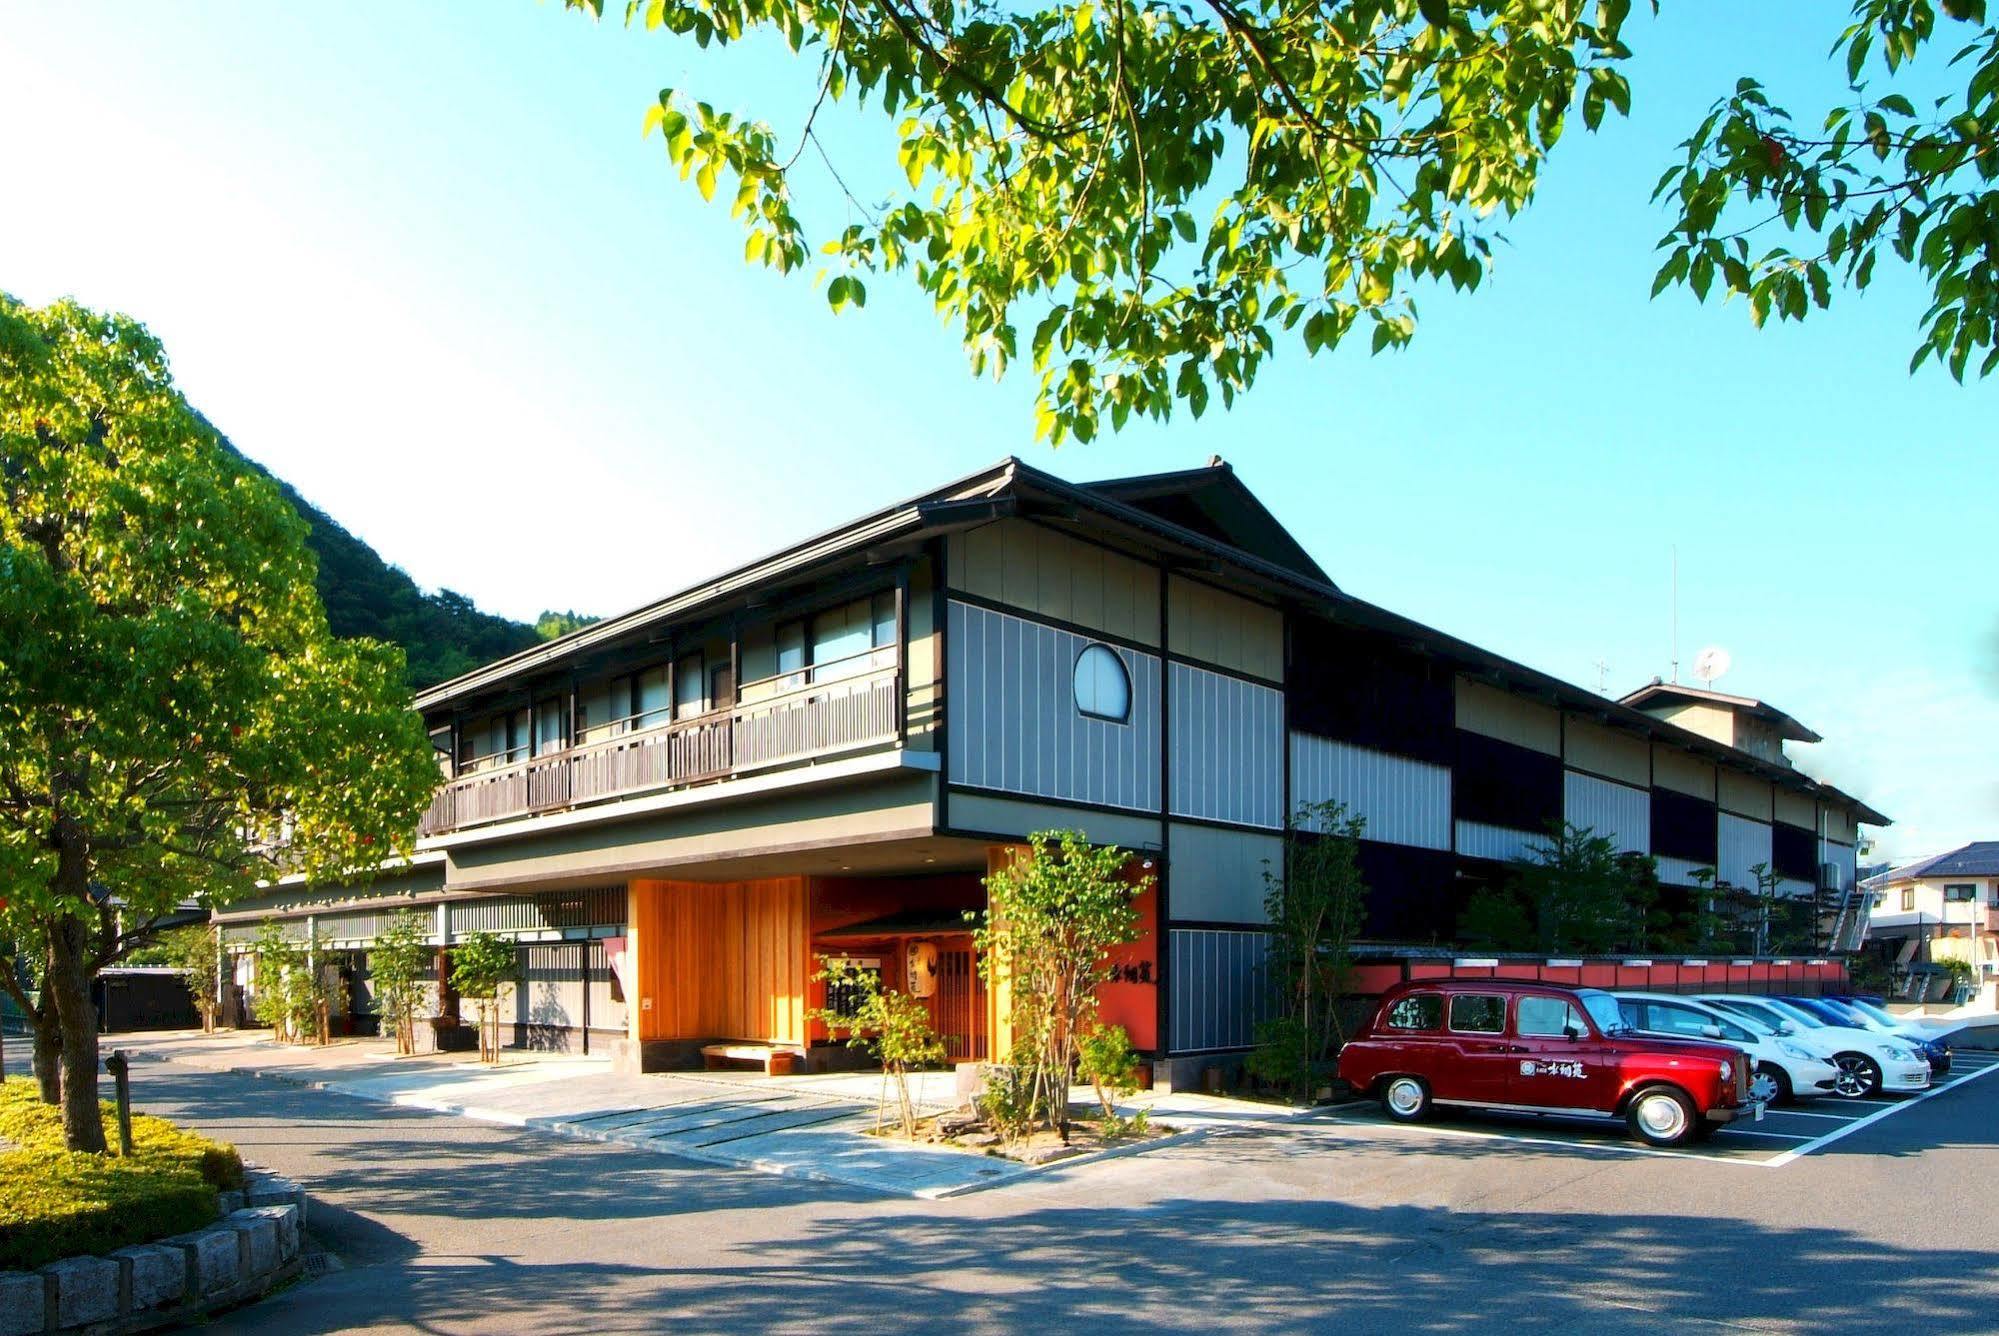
{"points": [[1980, 858]]}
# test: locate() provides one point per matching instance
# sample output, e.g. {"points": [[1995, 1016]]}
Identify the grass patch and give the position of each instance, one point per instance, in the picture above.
{"points": [[54, 1204]]}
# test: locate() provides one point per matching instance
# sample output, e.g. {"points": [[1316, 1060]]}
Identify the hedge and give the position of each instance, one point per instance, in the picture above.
{"points": [[55, 1204]]}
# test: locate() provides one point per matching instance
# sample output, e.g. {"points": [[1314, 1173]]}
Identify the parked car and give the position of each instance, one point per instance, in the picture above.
{"points": [[1781, 1069], [1849, 1011], [1538, 1048], [1868, 1062]]}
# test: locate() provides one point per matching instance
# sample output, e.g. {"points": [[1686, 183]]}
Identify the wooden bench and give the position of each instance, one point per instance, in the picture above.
{"points": [[774, 1060]]}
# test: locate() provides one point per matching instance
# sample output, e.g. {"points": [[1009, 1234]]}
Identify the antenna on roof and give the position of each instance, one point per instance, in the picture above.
{"points": [[1711, 663], [1602, 678]]}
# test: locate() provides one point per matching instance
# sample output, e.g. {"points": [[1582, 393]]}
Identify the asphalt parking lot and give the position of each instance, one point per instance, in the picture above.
{"points": [[1781, 1136]]}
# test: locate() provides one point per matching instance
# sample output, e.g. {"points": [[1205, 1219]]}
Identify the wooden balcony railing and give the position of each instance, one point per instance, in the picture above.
{"points": [[780, 724]]}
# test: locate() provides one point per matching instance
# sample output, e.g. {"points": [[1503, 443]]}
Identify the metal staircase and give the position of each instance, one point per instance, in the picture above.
{"points": [[1849, 921]]}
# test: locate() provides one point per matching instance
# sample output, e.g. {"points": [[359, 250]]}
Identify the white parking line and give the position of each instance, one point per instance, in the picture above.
{"points": [[1780, 1161], [1807, 1113]]}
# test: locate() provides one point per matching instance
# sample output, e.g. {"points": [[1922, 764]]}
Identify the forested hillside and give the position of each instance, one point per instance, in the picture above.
{"points": [[442, 634]]}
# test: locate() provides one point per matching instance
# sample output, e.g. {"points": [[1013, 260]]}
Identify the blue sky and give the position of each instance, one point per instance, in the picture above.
{"points": [[418, 260]]}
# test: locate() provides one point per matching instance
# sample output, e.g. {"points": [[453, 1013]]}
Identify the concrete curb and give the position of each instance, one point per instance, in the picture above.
{"points": [[252, 1247]]}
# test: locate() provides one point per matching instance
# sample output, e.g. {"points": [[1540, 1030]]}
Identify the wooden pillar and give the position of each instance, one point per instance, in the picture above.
{"points": [[640, 903], [999, 987]]}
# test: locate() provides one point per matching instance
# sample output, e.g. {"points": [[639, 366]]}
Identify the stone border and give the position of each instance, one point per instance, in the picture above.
{"points": [[252, 1246]]}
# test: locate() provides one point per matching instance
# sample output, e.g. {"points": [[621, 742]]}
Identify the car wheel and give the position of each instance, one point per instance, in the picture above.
{"points": [[1859, 1076], [1770, 1084], [1661, 1116], [1405, 1099]]}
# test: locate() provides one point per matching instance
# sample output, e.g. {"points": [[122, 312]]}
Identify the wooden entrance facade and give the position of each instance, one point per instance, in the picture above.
{"points": [[708, 962]]}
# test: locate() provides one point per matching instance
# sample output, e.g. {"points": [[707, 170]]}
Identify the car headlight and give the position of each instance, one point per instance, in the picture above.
{"points": [[1900, 1054], [1791, 1050], [1725, 1068]]}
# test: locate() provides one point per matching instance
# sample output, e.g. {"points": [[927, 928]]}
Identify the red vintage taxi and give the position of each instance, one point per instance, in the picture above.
{"points": [[1539, 1048]]}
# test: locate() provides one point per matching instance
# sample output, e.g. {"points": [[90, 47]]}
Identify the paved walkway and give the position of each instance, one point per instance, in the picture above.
{"points": [[813, 1127]]}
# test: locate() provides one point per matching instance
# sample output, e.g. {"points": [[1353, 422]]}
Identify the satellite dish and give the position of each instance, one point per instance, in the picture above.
{"points": [[1711, 663]]}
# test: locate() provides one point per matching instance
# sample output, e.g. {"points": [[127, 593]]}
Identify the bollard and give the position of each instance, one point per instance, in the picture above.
{"points": [[120, 1068]]}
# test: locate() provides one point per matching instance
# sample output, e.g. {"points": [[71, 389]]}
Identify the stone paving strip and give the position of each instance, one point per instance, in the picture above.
{"points": [[813, 1127]]}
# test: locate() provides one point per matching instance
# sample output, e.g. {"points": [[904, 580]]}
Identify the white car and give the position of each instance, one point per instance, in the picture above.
{"points": [[1781, 1069], [1868, 1062]]}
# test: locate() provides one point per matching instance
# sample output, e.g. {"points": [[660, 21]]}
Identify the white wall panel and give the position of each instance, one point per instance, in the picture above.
{"points": [[1216, 874], [1743, 844], [1011, 710], [1477, 840], [1679, 871], [1404, 801], [1226, 757], [1617, 811]]}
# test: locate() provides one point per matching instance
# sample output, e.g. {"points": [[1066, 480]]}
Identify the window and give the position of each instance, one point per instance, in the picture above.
{"points": [[690, 683], [1961, 893], [851, 639], [1420, 1011], [1665, 1018], [1548, 1016], [1478, 1013], [847, 641], [791, 654], [1908, 898], [550, 725], [1103, 687], [649, 698]]}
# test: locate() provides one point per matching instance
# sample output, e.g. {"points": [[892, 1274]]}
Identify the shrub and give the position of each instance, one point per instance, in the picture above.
{"points": [[1010, 1101], [56, 1204], [1105, 1059]]}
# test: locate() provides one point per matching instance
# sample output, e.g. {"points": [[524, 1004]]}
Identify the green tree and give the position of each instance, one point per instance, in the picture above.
{"points": [[1316, 904], [398, 970], [289, 991], [892, 1025], [1903, 170], [1107, 1061], [1140, 196], [481, 964], [552, 624], [195, 953], [1582, 893], [1053, 916], [171, 702]]}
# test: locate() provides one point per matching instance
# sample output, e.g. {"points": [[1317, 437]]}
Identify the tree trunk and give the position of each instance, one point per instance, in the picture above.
{"points": [[48, 1050], [69, 983]]}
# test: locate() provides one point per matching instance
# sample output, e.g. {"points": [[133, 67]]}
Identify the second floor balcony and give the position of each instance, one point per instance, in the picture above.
{"points": [[846, 705]]}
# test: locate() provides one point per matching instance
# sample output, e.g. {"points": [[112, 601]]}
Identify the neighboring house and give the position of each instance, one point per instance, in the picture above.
{"points": [[1941, 908], [823, 752]]}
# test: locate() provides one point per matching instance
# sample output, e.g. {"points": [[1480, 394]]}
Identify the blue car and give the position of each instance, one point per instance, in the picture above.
{"points": [[1852, 1011]]}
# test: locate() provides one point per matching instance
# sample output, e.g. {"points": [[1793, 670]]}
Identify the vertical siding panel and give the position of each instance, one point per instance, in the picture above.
{"points": [[1018, 729], [1404, 801], [1226, 749]]}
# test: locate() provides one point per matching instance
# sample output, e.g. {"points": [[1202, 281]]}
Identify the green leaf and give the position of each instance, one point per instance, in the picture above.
{"points": [[1436, 13]]}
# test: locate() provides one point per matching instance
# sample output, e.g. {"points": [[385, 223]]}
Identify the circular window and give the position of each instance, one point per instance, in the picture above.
{"points": [[1103, 686]]}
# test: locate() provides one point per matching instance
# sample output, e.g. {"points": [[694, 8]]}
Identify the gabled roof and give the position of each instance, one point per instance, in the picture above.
{"points": [[1215, 502], [1219, 510], [1980, 858], [1657, 692]]}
